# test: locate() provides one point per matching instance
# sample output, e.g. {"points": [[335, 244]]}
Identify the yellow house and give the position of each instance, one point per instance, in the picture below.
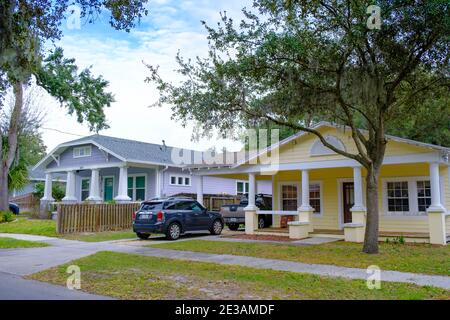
{"points": [[317, 192]]}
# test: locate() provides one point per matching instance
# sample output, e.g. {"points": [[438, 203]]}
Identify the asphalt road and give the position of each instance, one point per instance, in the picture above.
{"points": [[14, 287]]}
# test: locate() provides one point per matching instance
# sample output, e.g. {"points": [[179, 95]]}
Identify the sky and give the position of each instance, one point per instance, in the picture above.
{"points": [[118, 56]]}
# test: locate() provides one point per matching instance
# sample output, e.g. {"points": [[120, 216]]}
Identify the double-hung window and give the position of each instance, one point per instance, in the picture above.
{"points": [[136, 187], [314, 197], [85, 184], [241, 187], [398, 197], [80, 152], [423, 195]]}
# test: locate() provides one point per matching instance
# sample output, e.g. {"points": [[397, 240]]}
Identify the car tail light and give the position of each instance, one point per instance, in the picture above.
{"points": [[134, 215], [160, 216]]}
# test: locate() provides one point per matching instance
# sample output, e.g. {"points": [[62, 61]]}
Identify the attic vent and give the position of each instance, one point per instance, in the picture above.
{"points": [[318, 149]]}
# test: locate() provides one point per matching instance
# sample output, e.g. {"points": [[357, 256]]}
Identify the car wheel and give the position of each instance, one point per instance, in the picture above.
{"points": [[261, 223], [173, 231], [143, 236], [216, 228], [233, 226]]}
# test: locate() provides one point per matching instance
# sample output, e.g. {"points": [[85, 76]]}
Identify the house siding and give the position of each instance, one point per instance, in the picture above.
{"points": [[211, 185], [66, 159]]}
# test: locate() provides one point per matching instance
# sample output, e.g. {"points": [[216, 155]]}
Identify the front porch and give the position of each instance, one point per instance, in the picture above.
{"points": [[117, 182], [330, 201]]}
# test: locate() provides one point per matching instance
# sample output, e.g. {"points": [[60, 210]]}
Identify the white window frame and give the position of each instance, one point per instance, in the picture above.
{"points": [[412, 197], [81, 188], [320, 183], [280, 195], [245, 183], [134, 175], [87, 151], [183, 176]]}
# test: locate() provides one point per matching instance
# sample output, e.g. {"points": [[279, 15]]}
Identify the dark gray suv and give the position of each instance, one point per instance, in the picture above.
{"points": [[173, 217]]}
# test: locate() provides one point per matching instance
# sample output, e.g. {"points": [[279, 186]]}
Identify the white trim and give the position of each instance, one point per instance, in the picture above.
{"points": [[412, 195], [322, 164], [320, 183], [103, 187], [88, 167], [184, 176], [288, 183], [81, 187], [134, 175], [76, 152], [243, 181], [278, 212]]}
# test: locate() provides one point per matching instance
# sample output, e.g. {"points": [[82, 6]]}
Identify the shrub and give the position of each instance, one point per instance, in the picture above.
{"points": [[6, 216]]}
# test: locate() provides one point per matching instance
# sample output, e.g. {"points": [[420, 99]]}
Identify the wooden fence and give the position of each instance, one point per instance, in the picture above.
{"points": [[73, 218], [26, 202]]}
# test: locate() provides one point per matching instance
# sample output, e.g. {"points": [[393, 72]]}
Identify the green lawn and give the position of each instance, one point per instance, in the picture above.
{"points": [[419, 258], [48, 228], [30, 226], [7, 243], [129, 276]]}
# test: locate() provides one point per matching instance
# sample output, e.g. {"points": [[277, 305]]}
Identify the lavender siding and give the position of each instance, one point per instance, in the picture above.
{"points": [[211, 185], [67, 160]]}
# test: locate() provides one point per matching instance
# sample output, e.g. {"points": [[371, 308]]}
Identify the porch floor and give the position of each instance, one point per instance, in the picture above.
{"points": [[334, 232]]}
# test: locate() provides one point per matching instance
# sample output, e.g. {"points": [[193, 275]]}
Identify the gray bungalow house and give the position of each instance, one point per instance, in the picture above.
{"points": [[100, 168]]}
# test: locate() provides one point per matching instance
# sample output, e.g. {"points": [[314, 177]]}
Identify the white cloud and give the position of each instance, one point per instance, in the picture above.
{"points": [[120, 62]]}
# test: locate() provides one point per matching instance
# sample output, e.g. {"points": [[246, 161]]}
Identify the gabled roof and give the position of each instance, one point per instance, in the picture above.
{"points": [[332, 125], [124, 149]]}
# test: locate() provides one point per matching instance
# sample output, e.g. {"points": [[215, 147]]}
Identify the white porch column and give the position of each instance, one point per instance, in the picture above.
{"points": [[435, 188], [48, 188], [354, 231], [94, 186], [305, 211], [157, 183], [358, 189], [70, 188], [122, 195], [305, 191], [436, 212], [200, 190], [251, 218]]}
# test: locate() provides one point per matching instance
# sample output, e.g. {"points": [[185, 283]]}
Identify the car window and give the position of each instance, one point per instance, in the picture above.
{"points": [[148, 206], [196, 207], [183, 205]]}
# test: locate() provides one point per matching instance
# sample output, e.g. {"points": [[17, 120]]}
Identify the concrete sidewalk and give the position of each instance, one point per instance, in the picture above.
{"points": [[31, 260]]}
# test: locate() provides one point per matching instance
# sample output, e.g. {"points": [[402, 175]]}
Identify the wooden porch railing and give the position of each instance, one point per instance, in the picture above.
{"points": [[74, 218]]}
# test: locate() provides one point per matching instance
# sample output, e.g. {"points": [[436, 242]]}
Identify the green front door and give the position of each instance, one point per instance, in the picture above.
{"points": [[108, 188]]}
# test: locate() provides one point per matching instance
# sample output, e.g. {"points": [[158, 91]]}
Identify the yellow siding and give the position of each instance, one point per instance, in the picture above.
{"points": [[299, 150]]}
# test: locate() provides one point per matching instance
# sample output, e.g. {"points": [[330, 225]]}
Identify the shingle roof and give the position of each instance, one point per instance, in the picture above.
{"points": [[132, 149], [38, 174]]}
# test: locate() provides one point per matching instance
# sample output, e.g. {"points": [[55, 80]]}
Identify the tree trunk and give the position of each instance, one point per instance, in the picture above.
{"points": [[9, 151], [372, 223], [4, 206]]}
